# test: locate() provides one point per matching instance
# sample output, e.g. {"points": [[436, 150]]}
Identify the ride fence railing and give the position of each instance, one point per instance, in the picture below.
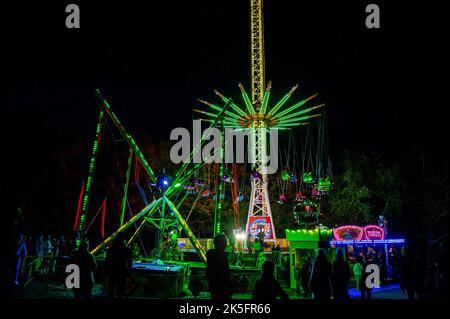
{"points": [[33, 267]]}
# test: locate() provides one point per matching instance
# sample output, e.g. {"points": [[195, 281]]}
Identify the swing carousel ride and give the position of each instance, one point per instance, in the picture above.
{"points": [[305, 176]]}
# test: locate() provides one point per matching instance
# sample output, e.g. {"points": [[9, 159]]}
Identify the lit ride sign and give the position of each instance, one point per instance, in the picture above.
{"points": [[258, 225], [351, 232], [373, 232]]}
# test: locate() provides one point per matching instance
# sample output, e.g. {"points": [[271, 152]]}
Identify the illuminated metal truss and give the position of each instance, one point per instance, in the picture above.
{"points": [[257, 51], [162, 213]]}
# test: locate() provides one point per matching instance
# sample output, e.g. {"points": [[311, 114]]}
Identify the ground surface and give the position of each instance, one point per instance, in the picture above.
{"points": [[41, 290]]}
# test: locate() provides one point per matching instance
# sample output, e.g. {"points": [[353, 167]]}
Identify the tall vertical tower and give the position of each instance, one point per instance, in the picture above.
{"points": [[259, 118], [259, 213]]}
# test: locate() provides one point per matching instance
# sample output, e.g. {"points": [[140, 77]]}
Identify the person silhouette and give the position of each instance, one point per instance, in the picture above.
{"points": [[305, 275], [118, 263], [87, 264], [341, 277], [268, 289], [21, 252], [218, 271], [321, 277]]}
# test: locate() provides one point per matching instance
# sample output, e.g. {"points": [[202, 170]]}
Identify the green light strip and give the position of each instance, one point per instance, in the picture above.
{"points": [[218, 108], [90, 180], [265, 100], [128, 138], [301, 112], [247, 101], [219, 190], [206, 113], [125, 188], [150, 207], [187, 230], [282, 101], [293, 107], [230, 121], [299, 119], [280, 126], [232, 104]]}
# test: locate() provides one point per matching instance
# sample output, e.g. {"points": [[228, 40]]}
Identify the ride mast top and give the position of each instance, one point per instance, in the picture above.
{"points": [[257, 52], [259, 205]]}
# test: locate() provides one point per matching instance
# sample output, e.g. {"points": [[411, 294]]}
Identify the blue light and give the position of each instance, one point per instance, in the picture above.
{"points": [[162, 180], [356, 242]]}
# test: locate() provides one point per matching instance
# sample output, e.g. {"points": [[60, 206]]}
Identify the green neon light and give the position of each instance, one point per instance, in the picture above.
{"points": [[232, 104], [299, 118], [149, 208], [293, 107], [265, 100], [229, 122], [218, 108], [280, 126], [247, 101], [282, 101], [128, 138], [125, 188], [206, 113], [301, 112], [88, 190], [219, 190]]}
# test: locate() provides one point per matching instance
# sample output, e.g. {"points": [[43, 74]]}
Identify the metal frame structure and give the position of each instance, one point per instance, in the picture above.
{"points": [[162, 213], [257, 52]]}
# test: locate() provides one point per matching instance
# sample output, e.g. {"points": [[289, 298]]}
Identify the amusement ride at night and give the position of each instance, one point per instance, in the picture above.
{"points": [[258, 115]]}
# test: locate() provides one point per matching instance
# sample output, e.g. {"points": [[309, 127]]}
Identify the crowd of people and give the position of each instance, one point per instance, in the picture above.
{"points": [[118, 263], [42, 252], [318, 278], [315, 275], [218, 275]]}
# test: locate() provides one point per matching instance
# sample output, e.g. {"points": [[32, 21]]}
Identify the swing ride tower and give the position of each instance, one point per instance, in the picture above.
{"points": [[259, 206], [260, 119]]}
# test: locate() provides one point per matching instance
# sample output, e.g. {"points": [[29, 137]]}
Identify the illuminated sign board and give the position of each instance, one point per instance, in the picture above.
{"points": [[348, 232], [373, 232], [353, 242], [260, 224], [352, 232]]}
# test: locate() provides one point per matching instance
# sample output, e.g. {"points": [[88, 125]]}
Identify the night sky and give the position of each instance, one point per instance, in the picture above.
{"points": [[385, 90]]}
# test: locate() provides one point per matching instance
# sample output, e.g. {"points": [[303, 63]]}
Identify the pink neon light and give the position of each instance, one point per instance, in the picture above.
{"points": [[373, 232], [348, 232]]}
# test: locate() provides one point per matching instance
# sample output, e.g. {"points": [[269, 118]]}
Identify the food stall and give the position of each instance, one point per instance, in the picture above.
{"points": [[369, 243], [304, 243]]}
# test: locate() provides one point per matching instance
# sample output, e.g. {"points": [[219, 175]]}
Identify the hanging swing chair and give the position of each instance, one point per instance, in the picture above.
{"points": [[308, 177], [282, 199], [315, 192], [199, 182], [293, 178], [206, 193], [285, 175], [299, 196], [226, 178], [190, 189], [324, 184]]}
